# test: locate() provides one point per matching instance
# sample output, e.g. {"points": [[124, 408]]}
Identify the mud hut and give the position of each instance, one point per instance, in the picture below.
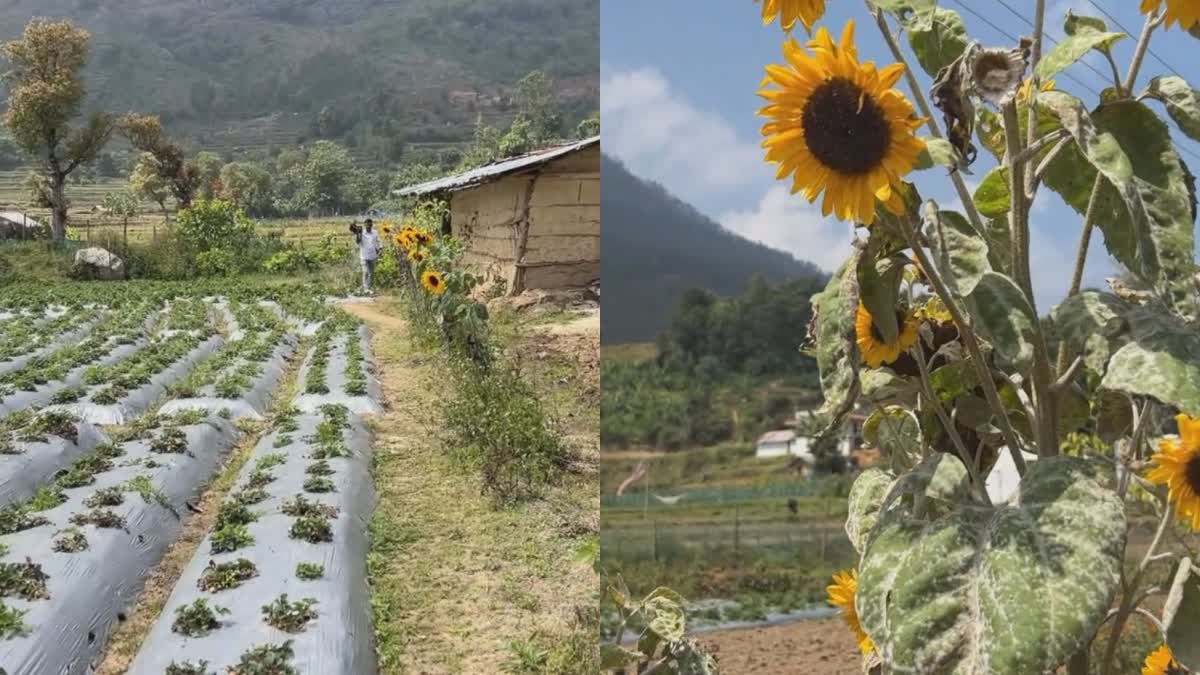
{"points": [[529, 222]]}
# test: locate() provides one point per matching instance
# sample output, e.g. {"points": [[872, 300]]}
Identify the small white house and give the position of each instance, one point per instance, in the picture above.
{"points": [[782, 443], [17, 225]]}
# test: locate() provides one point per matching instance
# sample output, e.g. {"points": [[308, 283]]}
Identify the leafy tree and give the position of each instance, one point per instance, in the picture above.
{"points": [[45, 92], [588, 127], [321, 179], [248, 186], [181, 176], [538, 105], [484, 148], [146, 182], [208, 174], [124, 205]]}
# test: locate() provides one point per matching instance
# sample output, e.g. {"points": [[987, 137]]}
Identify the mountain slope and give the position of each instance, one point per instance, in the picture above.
{"points": [[656, 247], [421, 68]]}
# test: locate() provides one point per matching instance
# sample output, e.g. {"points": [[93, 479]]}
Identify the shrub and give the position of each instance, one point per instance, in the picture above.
{"points": [[498, 425]]}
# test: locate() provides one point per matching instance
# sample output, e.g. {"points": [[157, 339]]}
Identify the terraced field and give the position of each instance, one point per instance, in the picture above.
{"points": [[117, 412]]}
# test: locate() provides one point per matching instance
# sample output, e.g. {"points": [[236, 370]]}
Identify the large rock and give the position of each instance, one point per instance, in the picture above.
{"points": [[97, 263]]}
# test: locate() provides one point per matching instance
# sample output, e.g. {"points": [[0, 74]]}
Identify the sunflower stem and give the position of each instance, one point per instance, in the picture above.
{"points": [[1130, 594], [971, 465], [960, 186], [1035, 82], [1139, 52], [967, 334], [1018, 213]]}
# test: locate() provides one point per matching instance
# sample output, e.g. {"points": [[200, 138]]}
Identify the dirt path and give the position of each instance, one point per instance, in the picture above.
{"points": [[824, 647], [455, 582]]}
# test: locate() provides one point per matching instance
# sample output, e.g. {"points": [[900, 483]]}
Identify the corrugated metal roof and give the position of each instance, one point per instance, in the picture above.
{"points": [[19, 218], [495, 170], [782, 436]]}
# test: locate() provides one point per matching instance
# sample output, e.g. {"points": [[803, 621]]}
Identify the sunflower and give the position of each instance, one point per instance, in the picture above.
{"points": [[423, 237], [398, 240], [841, 594], [837, 126], [1160, 662], [1178, 467], [875, 352], [1186, 12], [417, 256], [433, 282], [407, 240], [386, 229], [807, 11]]}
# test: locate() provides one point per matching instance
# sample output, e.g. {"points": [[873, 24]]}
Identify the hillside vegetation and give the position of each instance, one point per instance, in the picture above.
{"points": [[418, 70], [657, 247]]}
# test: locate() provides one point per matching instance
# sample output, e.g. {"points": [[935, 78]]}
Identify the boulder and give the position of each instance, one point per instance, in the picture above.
{"points": [[97, 263]]}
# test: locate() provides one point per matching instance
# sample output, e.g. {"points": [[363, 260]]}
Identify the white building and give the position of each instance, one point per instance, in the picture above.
{"points": [[782, 443]]}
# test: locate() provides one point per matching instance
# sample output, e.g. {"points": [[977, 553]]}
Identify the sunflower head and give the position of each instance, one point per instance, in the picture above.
{"points": [[996, 75], [1161, 662], [874, 349], [1184, 12], [386, 229], [423, 237], [1177, 465], [838, 126], [433, 282], [841, 594], [417, 256], [789, 11]]}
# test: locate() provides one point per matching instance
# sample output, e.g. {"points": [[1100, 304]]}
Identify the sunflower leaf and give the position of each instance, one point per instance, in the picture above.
{"points": [[834, 312], [895, 431], [879, 291], [1005, 319], [866, 496], [616, 657], [937, 152], [939, 41], [1162, 361], [992, 196], [1078, 23], [1133, 244], [912, 14], [1041, 571], [1092, 324], [965, 255], [1183, 103], [1181, 616], [1082, 37]]}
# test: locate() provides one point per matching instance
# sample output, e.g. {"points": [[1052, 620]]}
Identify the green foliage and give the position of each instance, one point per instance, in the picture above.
{"points": [[1049, 603], [309, 571], [224, 576], [267, 660], [230, 538], [11, 622], [289, 617], [197, 619], [188, 668]]}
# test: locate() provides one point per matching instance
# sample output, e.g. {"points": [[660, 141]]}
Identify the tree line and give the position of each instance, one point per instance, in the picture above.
{"points": [[45, 123], [726, 369]]}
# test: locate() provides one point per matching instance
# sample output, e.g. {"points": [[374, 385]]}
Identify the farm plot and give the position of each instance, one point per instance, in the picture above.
{"points": [[338, 369], [79, 550], [117, 392], [282, 577], [33, 447], [244, 372], [53, 376], [26, 335]]}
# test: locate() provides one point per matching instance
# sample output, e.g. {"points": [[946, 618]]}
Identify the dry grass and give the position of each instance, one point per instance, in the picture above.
{"points": [[455, 582], [126, 640]]}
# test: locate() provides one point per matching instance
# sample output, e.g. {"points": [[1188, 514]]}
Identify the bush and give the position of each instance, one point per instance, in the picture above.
{"points": [[500, 427]]}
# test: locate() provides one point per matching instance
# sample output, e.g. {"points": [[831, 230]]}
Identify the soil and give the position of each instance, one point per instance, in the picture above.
{"points": [[821, 647]]}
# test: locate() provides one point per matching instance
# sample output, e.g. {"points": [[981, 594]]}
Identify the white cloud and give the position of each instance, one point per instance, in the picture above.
{"points": [[789, 223], [661, 135]]}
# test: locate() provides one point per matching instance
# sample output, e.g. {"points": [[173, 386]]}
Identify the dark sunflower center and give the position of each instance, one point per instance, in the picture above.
{"points": [[877, 336], [844, 128], [434, 281], [1193, 473]]}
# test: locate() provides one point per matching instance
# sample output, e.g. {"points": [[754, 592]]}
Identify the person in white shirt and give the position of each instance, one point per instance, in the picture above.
{"points": [[368, 250]]}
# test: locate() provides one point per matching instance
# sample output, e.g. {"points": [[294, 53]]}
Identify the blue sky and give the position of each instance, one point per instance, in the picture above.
{"points": [[678, 81]]}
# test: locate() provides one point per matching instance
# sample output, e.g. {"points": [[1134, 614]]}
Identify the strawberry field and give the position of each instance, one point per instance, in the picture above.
{"points": [[117, 411]]}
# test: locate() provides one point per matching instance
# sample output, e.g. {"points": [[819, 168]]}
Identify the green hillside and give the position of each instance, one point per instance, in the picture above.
{"points": [[235, 73], [656, 247]]}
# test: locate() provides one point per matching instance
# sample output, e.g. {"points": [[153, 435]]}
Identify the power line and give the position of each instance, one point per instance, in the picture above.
{"points": [[1050, 37], [1130, 34], [1074, 79], [1015, 39]]}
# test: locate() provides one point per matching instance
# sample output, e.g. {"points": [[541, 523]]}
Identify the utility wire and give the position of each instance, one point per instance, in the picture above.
{"points": [[1127, 32], [1010, 36], [1050, 37]]}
